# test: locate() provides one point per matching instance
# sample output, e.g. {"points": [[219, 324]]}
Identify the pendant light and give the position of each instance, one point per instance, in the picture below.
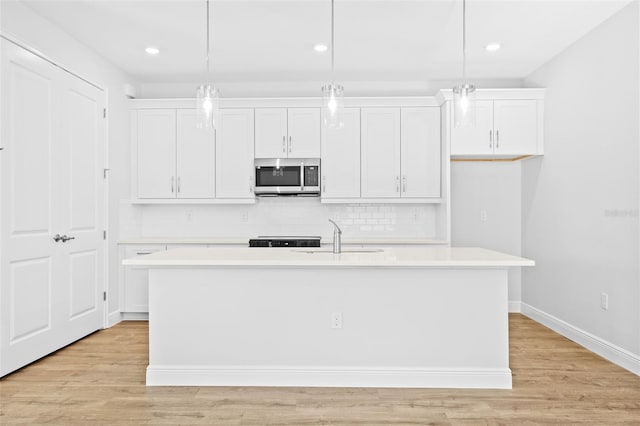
{"points": [[332, 93], [207, 96], [464, 95]]}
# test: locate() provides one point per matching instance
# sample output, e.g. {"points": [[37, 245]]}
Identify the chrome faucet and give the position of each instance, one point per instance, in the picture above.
{"points": [[337, 236]]}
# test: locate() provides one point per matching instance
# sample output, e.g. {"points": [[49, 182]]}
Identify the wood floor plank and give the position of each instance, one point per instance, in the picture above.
{"points": [[100, 381]]}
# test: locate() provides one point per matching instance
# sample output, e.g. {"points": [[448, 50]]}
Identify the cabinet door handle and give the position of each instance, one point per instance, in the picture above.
{"points": [[172, 184], [397, 183], [142, 253], [251, 184], [324, 184], [490, 138], [178, 184], [284, 143], [404, 184], [289, 143], [497, 139]]}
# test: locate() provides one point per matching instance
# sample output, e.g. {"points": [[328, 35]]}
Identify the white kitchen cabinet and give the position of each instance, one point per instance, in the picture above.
{"points": [[235, 154], [287, 132], [195, 157], [340, 156], [420, 152], [401, 153], [503, 127], [175, 159], [380, 153], [156, 153], [271, 133], [136, 280]]}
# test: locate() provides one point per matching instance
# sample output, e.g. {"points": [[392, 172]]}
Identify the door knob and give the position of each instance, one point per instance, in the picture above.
{"points": [[65, 238], [57, 238]]}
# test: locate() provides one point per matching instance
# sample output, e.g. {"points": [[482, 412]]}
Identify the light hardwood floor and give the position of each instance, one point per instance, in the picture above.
{"points": [[100, 380]]}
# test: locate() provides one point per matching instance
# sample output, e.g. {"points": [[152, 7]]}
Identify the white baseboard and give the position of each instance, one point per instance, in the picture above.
{"points": [[605, 349], [135, 316], [480, 378], [113, 318], [515, 307]]}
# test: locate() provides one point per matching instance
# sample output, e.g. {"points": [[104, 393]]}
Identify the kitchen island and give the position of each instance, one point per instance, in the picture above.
{"points": [[393, 317]]}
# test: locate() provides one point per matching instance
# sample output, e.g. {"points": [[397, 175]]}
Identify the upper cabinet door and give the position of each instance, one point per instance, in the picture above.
{"points": [[156, 153], [380, 155], [340, 166], [195, 158], [478, 139], [420, 153], [516, 127], [234, 154], [304, 133], [271, 133]]}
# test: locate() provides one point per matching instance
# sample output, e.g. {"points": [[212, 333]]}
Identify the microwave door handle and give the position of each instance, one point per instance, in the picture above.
{"points": [[302, 176]]}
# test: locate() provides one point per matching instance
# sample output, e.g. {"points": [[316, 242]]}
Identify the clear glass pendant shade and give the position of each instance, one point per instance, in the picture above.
{"points": [[464, 105], [207, 106], [333, 106]]}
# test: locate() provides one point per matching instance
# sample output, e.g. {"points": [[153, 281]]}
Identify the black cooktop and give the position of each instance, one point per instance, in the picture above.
{"points": [[284, 241]]}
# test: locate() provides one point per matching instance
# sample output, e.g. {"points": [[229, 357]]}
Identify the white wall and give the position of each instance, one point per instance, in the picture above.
{"points": [[493, 187], [279, 216], [22, 24], [580, 205]]}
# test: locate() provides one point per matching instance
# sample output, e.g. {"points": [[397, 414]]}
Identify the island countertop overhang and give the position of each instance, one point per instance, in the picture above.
{"points": [[431, 257]]}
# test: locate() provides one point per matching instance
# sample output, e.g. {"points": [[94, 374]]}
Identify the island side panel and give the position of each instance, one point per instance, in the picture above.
{"points": [[414, 327]]}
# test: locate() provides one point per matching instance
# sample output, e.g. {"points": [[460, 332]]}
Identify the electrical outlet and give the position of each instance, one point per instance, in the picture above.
{"points": [[604, 301], [336, 320], [483, 215]]}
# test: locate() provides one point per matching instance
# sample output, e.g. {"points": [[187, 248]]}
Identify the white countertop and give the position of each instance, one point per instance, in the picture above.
{"points": [[323, 257]]}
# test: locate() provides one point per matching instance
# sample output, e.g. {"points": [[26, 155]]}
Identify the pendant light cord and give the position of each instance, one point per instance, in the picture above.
{"points": [[332, 43], [208, 46], [464, 41]]}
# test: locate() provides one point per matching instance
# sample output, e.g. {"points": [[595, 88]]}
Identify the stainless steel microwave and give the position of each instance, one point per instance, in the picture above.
{"points": [[287, 176]]}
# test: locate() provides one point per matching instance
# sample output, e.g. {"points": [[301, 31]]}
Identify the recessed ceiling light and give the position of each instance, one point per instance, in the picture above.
{"points": [[151, 50], [492, 47], [320, 48]]}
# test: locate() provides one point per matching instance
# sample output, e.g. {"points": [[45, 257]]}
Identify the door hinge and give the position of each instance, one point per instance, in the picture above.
{"points": [[104, 113], [104, 235], [104, 173], [104, 296]]}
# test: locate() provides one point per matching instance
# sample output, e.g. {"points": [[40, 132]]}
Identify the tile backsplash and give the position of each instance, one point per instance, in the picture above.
{"points": [[278, 216]]}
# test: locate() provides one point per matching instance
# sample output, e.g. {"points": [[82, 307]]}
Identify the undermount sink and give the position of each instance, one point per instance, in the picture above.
{"points": [[330, 251]]}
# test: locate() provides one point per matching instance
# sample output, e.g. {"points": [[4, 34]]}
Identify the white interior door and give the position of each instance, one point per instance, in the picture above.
{"points": [[28, 121], [79, 211], [52, 144]]}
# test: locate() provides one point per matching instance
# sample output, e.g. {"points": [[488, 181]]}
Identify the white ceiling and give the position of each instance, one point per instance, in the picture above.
{"points": [[265, 40]]}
